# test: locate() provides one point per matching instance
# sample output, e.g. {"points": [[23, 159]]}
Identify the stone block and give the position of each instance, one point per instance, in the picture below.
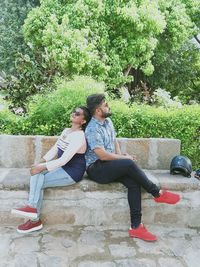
{"points": [[121, 250], [17, 151], [166, 150], [151, 153], [46, 143], [138, 147]]}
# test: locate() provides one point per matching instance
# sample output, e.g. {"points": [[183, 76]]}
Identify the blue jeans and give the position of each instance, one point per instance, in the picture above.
{"points": [[38, 182]]}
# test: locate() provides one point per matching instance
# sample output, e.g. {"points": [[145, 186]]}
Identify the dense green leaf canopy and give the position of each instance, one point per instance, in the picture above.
{"points": [[13, 14], [105, 38]]}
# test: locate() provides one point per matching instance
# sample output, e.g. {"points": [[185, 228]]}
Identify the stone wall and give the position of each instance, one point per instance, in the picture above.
{"points": [[23, 151]]}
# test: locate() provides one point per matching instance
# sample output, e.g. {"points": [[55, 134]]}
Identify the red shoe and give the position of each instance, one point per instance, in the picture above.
{"points": [[29, 226], [142, 233], [26, 211], [167, 197]]}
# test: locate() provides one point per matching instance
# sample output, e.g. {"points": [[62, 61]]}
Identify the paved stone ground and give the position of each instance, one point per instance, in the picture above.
{"points": [[73, 246]]}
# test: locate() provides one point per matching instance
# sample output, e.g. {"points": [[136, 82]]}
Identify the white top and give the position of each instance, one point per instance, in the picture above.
{"points": [[69, 142]]}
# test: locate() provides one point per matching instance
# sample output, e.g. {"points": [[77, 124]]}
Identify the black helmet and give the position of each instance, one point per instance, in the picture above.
{"points": [[181, 164], [197, 174]]}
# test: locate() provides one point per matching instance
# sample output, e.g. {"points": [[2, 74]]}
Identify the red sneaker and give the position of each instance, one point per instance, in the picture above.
{"points": [[142, 233], [167, 197], [26, 211], [29, 226]]}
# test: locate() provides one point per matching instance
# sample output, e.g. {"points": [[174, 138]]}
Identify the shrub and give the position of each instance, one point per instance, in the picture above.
{"points": [[50, 114], [8, 122], [29, 78]]}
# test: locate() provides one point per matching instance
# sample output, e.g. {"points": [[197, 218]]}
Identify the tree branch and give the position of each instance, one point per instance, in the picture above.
{"points": [[126, 72], [197, 39]]}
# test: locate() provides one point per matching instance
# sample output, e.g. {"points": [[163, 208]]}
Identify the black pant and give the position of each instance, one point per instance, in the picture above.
{"points": [[129, 174]]}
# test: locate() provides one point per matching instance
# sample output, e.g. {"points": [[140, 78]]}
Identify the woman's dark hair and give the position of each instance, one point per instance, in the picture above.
{"points": [[87, 116], [93, 101]]}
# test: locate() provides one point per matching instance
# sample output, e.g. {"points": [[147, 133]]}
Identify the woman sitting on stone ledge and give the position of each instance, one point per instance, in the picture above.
{"points": [[67, 169]]}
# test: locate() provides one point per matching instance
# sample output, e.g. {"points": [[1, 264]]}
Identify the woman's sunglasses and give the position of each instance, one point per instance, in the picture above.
{"points": [[76, 113]]}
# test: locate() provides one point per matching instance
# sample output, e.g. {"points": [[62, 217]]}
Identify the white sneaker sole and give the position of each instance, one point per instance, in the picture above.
{"points": [[30, 230], [29, 215]]}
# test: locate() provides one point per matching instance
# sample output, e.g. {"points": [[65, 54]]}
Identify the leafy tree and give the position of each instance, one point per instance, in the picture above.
{"points": [[179, 73], [13, 14], [95, 37], [176, 59], [31, 76]]}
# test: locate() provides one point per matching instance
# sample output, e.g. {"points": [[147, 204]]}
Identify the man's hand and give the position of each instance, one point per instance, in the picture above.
{"points": [[104, 155], [37, 169], [133, 157]]}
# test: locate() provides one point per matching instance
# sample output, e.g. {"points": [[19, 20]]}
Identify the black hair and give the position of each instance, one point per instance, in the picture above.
{"points": [[93, 101], [87, 116]]}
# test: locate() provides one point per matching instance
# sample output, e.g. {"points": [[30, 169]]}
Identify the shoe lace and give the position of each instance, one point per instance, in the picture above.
{"points": [[27, 223], [144, 228]]}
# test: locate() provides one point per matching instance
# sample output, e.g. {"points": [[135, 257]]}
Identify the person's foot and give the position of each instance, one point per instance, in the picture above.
{"points": [[142, 233], [26, 211], [167, 197], [29, 226]]}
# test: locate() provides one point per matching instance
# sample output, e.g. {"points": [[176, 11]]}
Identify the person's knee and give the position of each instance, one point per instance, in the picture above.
{"points": [[129, 163]]}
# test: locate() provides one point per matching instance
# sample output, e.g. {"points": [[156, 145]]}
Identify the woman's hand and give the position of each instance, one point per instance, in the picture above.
{"points": [[37, 169]]}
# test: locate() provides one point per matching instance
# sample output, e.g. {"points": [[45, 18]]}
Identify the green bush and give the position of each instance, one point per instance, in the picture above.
{"points": [[8, 122], [146, 121], [50, 114]]}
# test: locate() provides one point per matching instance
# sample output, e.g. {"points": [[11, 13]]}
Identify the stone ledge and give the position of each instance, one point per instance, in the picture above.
{"points": [[89, 203], [76, 207], [18, 179]]}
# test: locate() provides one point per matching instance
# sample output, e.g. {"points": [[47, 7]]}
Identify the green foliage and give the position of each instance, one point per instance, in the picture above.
{"points": [[98, 38], [8, 122], [181, 77], [49, 114], [180, 26], [31, 77], [13, 14], [21, 74], [176, 60], [192, 7]]}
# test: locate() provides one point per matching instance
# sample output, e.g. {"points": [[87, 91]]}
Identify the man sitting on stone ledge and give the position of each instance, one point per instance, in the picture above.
{"points": [[106, 164]]}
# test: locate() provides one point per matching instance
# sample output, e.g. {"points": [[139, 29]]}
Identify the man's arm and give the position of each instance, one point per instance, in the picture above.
{"points": [[117, 148], [102, 154]]}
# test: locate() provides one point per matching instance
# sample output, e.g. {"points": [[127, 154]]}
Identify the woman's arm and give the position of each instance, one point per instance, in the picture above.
{"points": [[51, 153], [76, 141], [42, 164], [54, 150], [47, 157]]}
